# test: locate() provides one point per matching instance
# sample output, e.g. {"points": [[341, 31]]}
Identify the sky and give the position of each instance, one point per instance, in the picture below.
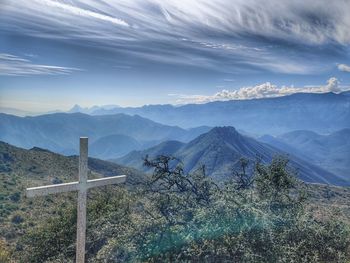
{"points": [[57, 53]]}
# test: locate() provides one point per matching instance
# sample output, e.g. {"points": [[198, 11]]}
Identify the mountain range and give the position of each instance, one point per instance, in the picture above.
{"points": [[331, 151], [117, 135], [59, 132], [220, 150], [320, 112]]}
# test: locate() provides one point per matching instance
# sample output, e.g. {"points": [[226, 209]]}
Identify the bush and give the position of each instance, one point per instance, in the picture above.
{"points": [[15, 197], [51, 239], [17, 219]]}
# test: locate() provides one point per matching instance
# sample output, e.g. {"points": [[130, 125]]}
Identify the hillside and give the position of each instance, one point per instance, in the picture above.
{"points": [[58, 132], [324, 113], [220, 150], [331, 152], [20, 168]]}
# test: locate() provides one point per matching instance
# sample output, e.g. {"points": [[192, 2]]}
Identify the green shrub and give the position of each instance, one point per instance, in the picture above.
{"points": [[15, 197], [17, 219]]}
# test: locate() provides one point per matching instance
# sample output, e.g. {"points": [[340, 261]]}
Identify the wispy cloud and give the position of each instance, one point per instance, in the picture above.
{"points": [[265, 90], [344, 67], [229, 36], [11, 65], [78, 11]]}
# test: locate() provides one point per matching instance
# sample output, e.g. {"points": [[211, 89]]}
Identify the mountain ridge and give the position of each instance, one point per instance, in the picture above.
{"points": [[220, 150], [330, 151], [58, 132], [322, 112]]}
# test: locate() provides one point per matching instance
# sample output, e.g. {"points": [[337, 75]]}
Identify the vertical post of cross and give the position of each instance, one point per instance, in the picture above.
{"points": [[82, 195]]}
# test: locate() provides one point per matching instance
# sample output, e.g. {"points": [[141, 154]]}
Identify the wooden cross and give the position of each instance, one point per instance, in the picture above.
{"points": [[82, 186]]}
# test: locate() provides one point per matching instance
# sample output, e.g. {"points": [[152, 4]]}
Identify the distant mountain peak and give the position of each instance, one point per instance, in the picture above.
{"points": [[76, 108], [224, 130], [223, 134]]}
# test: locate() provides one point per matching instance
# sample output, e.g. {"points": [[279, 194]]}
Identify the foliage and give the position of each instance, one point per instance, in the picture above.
{"points": [[17, 219], [51, 239], [5, 254], [260, 216]]}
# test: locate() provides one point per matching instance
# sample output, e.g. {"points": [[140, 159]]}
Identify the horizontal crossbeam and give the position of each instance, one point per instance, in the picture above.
{"points": [[106, 181], [52, 189], [73, 186]]}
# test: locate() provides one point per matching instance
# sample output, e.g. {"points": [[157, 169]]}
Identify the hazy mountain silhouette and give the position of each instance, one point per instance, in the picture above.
{"points": [[331, 151], [324, 113], [59, 132]]}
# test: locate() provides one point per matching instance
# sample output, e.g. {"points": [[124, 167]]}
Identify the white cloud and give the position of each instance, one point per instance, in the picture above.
{"points": [[332, 86], [344, 67], [265, 90], [11, 65]]}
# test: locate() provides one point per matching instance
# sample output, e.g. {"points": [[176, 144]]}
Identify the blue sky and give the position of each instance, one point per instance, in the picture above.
{"points": [[56, 53]]}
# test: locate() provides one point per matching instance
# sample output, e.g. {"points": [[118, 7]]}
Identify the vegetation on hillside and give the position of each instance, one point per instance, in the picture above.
{"points": [[264, 216], [20, 168]]}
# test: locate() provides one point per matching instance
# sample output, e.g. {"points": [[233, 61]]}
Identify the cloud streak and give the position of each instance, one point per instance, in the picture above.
{"points": [[82, 12], [265, 90], [216, 34], [11, 65]]}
